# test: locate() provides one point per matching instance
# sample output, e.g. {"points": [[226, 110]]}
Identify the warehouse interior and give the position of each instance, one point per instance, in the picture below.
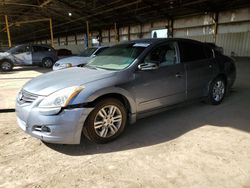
{"points": [[223, 22], [193, 145]]}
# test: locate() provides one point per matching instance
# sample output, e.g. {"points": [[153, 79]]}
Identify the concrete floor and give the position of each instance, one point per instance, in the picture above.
{"points": [[11, 83], [193, 146]]}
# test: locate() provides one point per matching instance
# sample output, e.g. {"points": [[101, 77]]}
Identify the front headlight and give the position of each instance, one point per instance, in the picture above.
{"points": [[66, 65], [61, 98]]}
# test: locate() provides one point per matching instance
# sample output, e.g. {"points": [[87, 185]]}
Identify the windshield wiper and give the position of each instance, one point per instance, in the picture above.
{"points": [[105, 68]]}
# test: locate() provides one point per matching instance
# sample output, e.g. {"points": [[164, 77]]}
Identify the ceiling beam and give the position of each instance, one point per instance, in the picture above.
{"points": [[45, 3]]}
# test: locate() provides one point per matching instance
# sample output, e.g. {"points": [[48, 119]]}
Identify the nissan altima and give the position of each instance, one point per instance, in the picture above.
{"points": [[125, 82]]}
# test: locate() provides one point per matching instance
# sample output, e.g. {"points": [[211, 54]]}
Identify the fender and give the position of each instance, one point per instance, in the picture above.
{"points": [[114, 90]]}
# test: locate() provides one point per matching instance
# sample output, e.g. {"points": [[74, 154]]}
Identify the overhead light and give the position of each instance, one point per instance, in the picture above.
{"points": [[70, 14]]}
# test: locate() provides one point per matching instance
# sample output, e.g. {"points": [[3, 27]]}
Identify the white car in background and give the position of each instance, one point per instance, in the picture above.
{"points": [[82, 59]]}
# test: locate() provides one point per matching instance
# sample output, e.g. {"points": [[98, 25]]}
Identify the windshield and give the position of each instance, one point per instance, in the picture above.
{"points": [[117, 57], [13, 49], [88, 52]]}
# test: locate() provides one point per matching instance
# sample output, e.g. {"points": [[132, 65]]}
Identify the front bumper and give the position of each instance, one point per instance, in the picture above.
{"points": [[63, 128]]}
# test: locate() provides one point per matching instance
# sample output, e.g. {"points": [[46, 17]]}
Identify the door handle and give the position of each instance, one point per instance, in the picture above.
{"points": [[178, 75]]}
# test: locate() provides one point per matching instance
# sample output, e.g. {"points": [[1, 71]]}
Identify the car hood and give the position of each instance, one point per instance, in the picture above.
{"points": [[50, 82], [4, 54], [74, 60]]}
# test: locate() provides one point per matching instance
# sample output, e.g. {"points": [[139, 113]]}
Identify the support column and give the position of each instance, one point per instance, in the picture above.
{"points": [[89, 43], [109, 35], [8, 30], [170, 28], [129, 33], [116, 33], [215, 18], [51, 32]]}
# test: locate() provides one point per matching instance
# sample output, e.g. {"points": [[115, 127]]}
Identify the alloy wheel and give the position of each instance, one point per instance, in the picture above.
{"points": [[218, 90], [5, 66], [48, 63], [108, 121]]}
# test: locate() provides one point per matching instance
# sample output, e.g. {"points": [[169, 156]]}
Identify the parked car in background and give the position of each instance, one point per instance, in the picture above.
{"points": [[28, 54], [123, 83], [82, 59], [62, 53], [215, 47]]}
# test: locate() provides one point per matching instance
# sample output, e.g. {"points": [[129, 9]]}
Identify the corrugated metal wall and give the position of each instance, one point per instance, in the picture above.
{"points": [[233, 32], [237, 44]]}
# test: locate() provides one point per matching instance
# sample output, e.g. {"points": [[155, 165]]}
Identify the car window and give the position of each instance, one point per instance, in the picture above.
{"points": [[88, 52], [208, 51], [21, 49], [41, 49], [191, 51], [163, 55]]}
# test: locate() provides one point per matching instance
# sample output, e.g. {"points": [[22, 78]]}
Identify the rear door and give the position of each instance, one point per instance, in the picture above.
{"points": [[198, 63], [41, 52]]}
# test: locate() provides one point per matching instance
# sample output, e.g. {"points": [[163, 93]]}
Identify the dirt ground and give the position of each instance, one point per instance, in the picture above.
{"points": [[197, 145]]}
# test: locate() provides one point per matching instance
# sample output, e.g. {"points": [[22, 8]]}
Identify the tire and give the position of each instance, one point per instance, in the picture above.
{"points": [[6, 65], [106, 122], [217, 91], [47, 62]]}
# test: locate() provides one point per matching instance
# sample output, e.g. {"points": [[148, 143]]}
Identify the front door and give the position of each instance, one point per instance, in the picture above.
{"points": [[163, 86], [22, 55]]}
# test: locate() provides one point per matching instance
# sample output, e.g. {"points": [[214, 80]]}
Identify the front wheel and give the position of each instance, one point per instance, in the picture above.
{"points": [[47, 62], [217, 91], [6, 65], [106, 122]]}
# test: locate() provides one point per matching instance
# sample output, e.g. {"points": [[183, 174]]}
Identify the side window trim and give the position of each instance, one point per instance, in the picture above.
{"points": [[177, 50]]}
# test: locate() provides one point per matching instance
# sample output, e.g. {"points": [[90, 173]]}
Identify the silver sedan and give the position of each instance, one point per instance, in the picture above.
{"points": [[123, 83]]}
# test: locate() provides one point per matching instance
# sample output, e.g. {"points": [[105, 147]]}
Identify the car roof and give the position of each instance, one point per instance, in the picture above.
{"points": [[26, 44], [159, 40]]}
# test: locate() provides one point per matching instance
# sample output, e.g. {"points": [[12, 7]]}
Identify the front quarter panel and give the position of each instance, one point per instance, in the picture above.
{"points": [[99, 88]]}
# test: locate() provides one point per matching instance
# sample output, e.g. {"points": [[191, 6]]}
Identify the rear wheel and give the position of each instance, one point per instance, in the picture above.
{"points": [[6, 65], [106, 122], [47, 62], [217, 91]]}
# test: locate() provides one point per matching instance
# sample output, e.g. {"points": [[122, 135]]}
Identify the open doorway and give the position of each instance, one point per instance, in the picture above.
{"points": [[159, 33]]}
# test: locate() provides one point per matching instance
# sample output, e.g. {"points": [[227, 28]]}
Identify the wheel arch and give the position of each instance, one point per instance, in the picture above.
{"points": [[6, 59], [120, 97]]}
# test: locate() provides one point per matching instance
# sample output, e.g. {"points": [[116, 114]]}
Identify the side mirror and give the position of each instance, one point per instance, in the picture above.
{"points": [[148, 66]]}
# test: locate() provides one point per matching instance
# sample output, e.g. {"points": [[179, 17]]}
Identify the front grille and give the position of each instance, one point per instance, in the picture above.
{"points": [[26, 97]]}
